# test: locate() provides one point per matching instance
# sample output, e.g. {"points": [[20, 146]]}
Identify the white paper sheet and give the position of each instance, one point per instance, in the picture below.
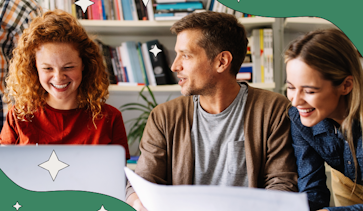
{"points": [[213, 198]]}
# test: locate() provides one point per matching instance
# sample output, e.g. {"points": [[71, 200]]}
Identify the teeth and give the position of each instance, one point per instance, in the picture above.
{"points": [[60, 86], [305, 110]]}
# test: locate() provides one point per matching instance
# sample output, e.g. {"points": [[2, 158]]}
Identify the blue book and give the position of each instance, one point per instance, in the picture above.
{"points": [[126, 9], [103, 10], [163, 14], [142, 63], [134, 59], [193, 5]]}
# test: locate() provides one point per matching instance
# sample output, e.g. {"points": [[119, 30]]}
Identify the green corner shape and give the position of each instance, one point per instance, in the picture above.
{"points": [[11, 193]]}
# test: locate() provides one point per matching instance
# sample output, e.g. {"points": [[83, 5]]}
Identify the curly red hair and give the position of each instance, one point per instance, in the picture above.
{"points": [[24, 90]]}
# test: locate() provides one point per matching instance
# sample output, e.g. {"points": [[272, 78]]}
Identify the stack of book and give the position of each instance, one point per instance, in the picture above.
{"points": [[133, 64], [214, 5], [258, 64], [262, 55], [175, 9], [104, 9]]}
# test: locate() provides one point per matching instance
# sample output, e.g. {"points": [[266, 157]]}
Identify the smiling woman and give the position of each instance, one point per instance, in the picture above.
{"points": [[57, 88], [325, 87]]}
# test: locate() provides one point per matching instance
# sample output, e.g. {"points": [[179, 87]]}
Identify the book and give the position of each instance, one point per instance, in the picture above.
{"points": [[141, 10], [134, 61], [133, 10], [262, 61], [126, 9], [170, 16], [150, 10], [169, 1], [268, 54], [122, 70], [118, 9], [127, 63], [148, 65], [192, 5], [142, 64], [255, 54], [96, 10], [245, 72], [104, 50], [160, 67]]}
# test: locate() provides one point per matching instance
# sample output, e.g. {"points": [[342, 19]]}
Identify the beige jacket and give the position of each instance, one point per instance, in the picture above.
{"points": [[166, 149]]}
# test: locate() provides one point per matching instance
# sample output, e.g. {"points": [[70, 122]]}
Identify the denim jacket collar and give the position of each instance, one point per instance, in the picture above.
{"points": [[322, 127]]}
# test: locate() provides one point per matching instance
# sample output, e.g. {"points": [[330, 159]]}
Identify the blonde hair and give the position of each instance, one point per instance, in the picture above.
{"points": [[332, 54], [24, 90]]}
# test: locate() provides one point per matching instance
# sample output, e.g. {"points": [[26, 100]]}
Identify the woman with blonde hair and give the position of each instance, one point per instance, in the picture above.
{"points": [[57, 87], [325, 87]]}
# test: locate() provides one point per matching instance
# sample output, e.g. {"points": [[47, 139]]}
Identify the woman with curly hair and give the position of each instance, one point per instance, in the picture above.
{"points": [[325, 87], [57, 87]]}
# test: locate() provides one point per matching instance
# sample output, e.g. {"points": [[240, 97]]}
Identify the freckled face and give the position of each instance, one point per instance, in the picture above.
{"points": [[314, 97], [195, 71], [60, 73]]}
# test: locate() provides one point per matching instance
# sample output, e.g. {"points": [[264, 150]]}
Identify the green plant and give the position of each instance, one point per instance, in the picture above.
{"points": [[138, 123]]}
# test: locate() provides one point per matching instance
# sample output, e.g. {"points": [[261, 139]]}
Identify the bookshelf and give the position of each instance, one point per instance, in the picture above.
{"points": [[306, 24], [108, 27], [175, 87], [113, 32]]}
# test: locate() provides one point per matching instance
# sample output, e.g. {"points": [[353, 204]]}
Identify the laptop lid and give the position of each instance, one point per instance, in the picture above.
{"points": [[92, 168]]}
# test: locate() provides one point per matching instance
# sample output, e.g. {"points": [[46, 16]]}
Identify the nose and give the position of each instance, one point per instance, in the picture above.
{"points": [[59, 75], [296, 98], [176, 66]]}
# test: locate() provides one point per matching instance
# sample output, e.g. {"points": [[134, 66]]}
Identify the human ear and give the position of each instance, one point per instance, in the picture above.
{"points": [[224, 61], [347, 85]]}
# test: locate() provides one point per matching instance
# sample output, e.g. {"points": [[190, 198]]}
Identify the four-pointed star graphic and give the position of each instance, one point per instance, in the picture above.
{"points": [[17, 206], [102, 209], [155, 50], [84, 4], [53, 165]]}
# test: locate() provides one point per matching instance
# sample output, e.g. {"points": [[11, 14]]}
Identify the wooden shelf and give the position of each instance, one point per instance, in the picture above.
{"points": [[306, 24], [174, 87], [148, 28], [256, 22], [127, 27]]}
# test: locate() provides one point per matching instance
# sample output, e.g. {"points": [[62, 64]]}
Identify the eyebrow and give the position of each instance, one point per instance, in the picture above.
{"points": [[306, 86], [64, 64]]}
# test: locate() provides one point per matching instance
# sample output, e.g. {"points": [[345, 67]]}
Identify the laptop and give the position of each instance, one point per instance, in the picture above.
{"points": [[92, 168]]}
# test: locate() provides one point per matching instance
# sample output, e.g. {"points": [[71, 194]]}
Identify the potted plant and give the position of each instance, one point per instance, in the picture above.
{"points": [[138, 123]]}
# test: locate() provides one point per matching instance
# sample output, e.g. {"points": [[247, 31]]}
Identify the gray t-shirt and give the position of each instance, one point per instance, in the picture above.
{"points": [[218, 144]]}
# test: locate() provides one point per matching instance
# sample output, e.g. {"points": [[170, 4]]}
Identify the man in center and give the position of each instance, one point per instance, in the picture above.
{"points": [[220, 132]]}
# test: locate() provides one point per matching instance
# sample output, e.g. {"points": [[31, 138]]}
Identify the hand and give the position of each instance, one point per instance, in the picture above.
{"points": [[323, 210], [134, 201], [138, 205]]}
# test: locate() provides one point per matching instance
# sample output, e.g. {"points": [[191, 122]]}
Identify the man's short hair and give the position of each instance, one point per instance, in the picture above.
{"points": [[221, 32]]}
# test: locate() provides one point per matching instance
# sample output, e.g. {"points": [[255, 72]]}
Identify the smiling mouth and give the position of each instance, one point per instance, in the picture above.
{"points": [[306, 110], [60, 86]]}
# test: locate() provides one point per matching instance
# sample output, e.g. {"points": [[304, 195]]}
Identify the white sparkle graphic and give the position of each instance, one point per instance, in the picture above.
{"points": [[53, 165], [147, 1], [102, 209], [155, 50], [84, 4], [17, 206]]}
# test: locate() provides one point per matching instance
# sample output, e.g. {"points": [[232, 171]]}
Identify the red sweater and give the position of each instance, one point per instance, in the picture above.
{"points": [[75, 126]]}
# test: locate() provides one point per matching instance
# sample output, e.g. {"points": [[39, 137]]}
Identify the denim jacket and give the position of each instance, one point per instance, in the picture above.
{"points": [[318, 144]]}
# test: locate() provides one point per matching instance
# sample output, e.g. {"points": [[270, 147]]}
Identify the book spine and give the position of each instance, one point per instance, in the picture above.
{"points": [[123, 72], [126, 9], [142, 64], [148, 66], [262, 56]]}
